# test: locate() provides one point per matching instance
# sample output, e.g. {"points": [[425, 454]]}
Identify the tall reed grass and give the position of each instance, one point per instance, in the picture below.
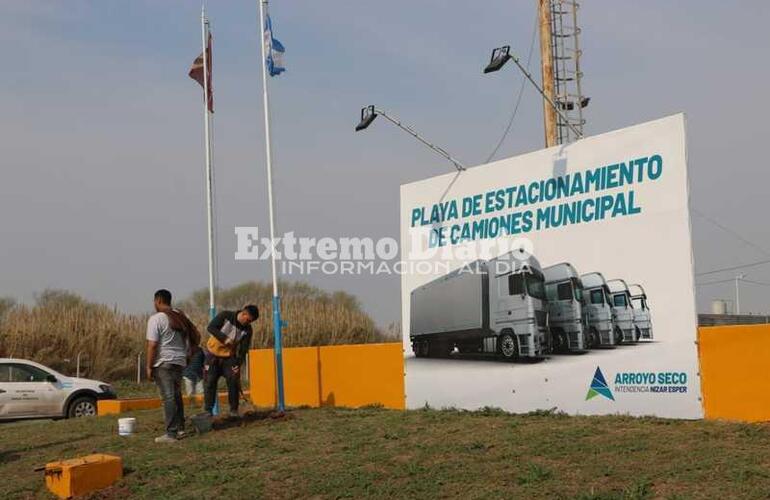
{"points": [[61, 324]]}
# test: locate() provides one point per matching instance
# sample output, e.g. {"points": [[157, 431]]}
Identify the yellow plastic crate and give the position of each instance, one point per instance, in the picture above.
{"points": [[79, 476]]}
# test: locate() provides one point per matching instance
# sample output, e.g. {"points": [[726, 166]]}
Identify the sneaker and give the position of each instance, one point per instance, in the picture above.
{"points": [[181, 434], [165, 438]]}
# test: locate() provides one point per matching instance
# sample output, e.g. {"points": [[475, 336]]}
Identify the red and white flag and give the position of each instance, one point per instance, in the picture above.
{"points": [[196, 73]]}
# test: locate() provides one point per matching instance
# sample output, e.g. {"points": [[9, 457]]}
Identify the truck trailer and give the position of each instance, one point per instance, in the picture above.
{"points": [[599, 315], [564, 292], [642, 316], [496, 306], [621, 305]]}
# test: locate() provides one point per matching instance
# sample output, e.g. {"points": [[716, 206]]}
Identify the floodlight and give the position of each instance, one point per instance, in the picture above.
{"points": [[368, 114], [499, 57]]}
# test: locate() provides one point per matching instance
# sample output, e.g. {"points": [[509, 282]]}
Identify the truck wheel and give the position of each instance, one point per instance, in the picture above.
{"points": [[508, 346], [618, 335], [637, 334], [593, 338], [83, 406], [443, 349], [560, 342]]}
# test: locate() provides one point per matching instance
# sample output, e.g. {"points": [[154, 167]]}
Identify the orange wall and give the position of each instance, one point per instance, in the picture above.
{"points": [[734, 367], [343, 375], [735, 372]]}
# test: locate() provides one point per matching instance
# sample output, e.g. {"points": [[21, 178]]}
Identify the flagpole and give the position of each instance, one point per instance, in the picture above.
{"points": [[277, 323], [207, 129]]}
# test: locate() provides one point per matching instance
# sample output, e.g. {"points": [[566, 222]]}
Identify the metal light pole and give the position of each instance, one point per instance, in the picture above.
{"points": [[369, 113]]}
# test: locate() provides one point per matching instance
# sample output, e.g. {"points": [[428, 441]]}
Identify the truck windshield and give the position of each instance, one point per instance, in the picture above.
{"points": [[597, 296], [619, 300], [638, 303], [535, 287]]}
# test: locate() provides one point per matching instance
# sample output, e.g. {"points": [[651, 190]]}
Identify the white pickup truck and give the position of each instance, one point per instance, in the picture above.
{"points": [[31, 390]]}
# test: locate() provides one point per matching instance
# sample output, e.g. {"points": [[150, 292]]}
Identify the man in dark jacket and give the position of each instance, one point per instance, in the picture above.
{"points": [[226, 349]]}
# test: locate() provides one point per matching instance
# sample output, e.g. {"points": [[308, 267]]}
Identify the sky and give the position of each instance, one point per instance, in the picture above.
{"points": [[102, 188]]}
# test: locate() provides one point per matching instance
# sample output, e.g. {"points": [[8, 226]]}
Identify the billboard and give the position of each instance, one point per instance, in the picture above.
{"points": [[556, 280]]}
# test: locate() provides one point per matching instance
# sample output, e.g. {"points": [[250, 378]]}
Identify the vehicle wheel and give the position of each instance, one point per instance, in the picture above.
{"points": [[83, 406], [417, 349], [637, 334], [593, 338], [560, 341], [508, 346], [618, 335], [444, 349]]}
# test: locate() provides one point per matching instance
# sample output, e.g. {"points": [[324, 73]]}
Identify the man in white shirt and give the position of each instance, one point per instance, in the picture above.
{"points": [[167, 350]]}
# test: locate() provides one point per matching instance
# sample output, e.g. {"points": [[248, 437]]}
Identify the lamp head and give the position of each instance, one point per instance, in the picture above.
{"points": [[368, 114], [499, 57]]}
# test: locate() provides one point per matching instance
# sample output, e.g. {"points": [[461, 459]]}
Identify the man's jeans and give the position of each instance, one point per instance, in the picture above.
{"points": [[221, 367], [169, 380]]}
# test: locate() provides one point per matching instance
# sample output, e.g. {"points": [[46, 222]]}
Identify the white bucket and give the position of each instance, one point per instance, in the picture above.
{"points": [[126, 426]]}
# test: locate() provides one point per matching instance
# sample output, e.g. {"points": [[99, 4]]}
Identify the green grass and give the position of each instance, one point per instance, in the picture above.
{"points": [[334, 453]]}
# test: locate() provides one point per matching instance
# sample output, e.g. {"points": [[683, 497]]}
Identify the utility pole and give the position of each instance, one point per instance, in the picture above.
{"points": [[546, 63], [738, 278]]}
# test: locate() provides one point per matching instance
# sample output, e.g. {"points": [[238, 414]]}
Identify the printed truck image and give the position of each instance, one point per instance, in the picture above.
{"points": [[496, 306], [642, 318], [624, 313], [599, 315], [564, 292]]}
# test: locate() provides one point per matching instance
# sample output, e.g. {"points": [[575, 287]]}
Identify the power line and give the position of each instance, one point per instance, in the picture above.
{"points": [[728, 230], [518, 98], [714, 282], [742, 280], [734, 268], [754, 282]]}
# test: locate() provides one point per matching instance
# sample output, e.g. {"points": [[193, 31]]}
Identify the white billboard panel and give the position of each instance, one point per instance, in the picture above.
{"points": [[559, 279]]}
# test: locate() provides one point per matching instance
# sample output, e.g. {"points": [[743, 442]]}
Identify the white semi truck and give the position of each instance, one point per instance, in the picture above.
{"points": [[496, 306], [642, 317], [621, 305], [564, 292], [599, 314]]}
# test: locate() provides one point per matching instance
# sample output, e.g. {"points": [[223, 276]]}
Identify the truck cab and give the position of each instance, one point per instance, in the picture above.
{"points": [[624, 312], [598, 310], [518, 309], [564, 292], [642, 317]]}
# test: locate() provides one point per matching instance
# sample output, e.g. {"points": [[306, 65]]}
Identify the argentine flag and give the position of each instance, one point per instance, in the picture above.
{"points": [[274, 50]]}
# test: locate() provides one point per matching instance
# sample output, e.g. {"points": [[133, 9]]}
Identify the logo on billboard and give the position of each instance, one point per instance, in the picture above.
{"points": [[599, 387]]}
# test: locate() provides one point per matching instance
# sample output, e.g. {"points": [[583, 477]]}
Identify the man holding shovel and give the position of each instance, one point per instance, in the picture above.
{"points": [[226, 349]]}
